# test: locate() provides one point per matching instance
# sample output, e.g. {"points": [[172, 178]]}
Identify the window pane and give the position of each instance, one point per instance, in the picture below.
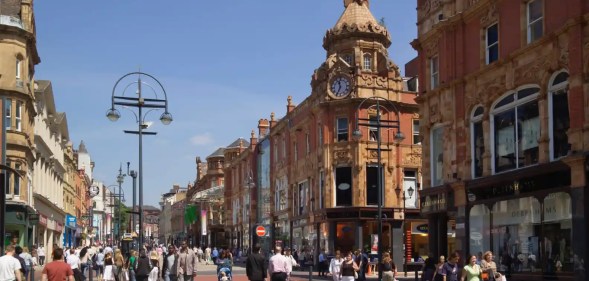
{"points": [[342, 129], [479, 148], [349, 59], [528, 133], [8, 110], [560, 124], [478, 112], [505, 141], [373, 130], [416, 137], [492, 35], [367, 62], [536, 30], [560, 78], [480, 229], [534, 10], [493, 53], [527, 92], [506, 100], [558, 231], [372, 185], [437, 159], [343, 186]]}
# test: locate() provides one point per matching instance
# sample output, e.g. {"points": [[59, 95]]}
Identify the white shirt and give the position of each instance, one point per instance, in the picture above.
{"points": [[41, 251], [8, 265], [73, 260], [153, 274]]}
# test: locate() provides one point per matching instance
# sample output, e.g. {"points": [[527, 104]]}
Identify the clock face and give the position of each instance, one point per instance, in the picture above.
{"points": [[341, 86], [94, 190]]}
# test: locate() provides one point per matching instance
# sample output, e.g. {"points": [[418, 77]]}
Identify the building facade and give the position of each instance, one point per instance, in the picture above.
{"points": [[503, 96], [18, 53]]}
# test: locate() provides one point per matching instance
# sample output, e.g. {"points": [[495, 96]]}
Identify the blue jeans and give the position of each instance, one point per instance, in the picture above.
{"points": [[170, 277]]}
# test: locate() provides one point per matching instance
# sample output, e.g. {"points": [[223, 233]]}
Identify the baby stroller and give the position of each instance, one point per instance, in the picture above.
{"points": [[226, 270]]}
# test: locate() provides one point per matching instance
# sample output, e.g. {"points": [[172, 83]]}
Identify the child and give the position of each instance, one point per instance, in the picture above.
{"points": [[224, 277]]}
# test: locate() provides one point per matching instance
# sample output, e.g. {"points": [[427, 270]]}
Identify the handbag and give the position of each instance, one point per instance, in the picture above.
{"points": [[485, 275]]}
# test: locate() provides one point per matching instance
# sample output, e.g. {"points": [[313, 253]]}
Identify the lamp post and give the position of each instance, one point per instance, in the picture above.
{"points": [[121, 198], [140, 103], [133, 175], [379, 104], [120, 180], [410, 191], [93, 191]]}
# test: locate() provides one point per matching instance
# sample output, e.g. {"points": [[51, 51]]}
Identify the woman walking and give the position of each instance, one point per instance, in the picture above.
{"points": [[28, 263], [440, 273], [108, 274], [335, 266], [472, 271], [488, 266], [143, 267], [348, 269]]}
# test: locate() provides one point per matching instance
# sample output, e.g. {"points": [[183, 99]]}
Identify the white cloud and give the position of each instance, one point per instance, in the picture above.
{"points": [[202, 139]]}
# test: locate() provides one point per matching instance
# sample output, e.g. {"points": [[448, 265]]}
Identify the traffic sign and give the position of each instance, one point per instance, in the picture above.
{"points": [[260, 231]]}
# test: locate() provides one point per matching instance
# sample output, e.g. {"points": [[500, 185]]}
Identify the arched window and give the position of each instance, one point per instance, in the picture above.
{"points": [[477, 141], [367, 62], [516, 128], [558, 112]]}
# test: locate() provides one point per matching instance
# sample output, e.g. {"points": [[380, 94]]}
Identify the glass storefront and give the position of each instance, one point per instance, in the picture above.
{"points": [[345, 236], [525, 235]]}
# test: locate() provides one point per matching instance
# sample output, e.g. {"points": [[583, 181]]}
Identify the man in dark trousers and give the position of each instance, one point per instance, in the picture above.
{"points": [[255, 265]]}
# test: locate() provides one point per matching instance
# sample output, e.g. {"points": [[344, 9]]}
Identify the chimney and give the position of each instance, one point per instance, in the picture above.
{"points": [[253, 140], [272, 120], [263, 126], [199, 172], [289, 106]]}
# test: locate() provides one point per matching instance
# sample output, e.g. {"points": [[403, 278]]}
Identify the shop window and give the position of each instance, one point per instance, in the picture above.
{"points": [[372, 184], [480, 226], [437, 156], [416, 136], [492, 48], [434, 72], [535, 20], [373, 129], [8, 111], [18, 115], [342, 129], [516, 128], [559, 116], [343, 186], [477, 142]]}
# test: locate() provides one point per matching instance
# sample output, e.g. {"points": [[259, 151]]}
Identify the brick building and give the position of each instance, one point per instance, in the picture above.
{"points": [[503, 103]]}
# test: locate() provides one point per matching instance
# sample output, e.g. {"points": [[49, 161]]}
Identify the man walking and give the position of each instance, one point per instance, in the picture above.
{"points": [[255, 265], [57, 270], [10, 268], [170, 266], [186, 263], [278, 266], [41, 254]]}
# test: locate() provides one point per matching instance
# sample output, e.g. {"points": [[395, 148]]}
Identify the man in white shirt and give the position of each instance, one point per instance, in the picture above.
{"points": [[9, 266], [74, 261]]}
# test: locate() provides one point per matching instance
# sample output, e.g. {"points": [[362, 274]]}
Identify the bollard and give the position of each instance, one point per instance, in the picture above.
{"points": [[310, 272]]}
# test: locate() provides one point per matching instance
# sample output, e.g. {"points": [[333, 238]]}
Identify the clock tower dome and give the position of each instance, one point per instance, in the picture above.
{"points": [[357, 62]]}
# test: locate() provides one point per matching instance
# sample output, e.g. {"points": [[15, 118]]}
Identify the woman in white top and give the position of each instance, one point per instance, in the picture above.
{"points": [[291, 262], [335, 266], [154, 273], [108, 268]]}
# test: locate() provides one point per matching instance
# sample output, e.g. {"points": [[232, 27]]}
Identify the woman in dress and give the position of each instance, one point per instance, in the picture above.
{"points": [[439, 274], [389, 270], [488, 266], [336, 265], [154, 273], [108, 274], [348, 268], [472, 271]]}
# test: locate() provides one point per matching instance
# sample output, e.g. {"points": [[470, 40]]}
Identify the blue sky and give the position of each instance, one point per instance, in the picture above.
{"points": [[224, 64]]}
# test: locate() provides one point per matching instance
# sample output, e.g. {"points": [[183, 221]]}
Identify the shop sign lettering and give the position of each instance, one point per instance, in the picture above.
{"points": [[434, 203]]}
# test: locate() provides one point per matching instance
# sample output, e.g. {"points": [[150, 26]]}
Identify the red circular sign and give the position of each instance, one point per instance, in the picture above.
{"points": [[260, 231]]}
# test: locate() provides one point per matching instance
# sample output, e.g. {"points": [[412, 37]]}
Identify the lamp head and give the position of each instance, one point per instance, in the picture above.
{"points": [[357, 134], [113, 114], [410, 191], [399, 137], [166, 118]]}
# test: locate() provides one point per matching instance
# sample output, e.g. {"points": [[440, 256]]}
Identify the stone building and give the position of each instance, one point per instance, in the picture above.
{"points": [[165, 230], [18, 57], [503, 101]]}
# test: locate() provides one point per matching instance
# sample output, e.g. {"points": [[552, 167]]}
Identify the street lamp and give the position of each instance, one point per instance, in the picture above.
{"points": [[120, 180], [379, 104], [140, 103], [121, 198], [410, 191]]}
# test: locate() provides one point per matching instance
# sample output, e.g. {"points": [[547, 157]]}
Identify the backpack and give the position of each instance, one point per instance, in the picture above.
{"points": [[94, 261]]}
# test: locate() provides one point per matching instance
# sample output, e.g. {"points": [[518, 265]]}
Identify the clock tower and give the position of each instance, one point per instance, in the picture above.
{"points": [[357, 64]]}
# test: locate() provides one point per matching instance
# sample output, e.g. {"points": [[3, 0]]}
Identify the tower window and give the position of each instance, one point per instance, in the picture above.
{"points": [[342, 129], [434, 72], [18, 68], [8, 117], [367, 62], [349, 59]]}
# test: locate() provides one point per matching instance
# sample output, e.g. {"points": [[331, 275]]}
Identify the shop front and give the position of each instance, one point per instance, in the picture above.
{"points": [[69, 236], [19, 222], [437, 206], [527, 219]]}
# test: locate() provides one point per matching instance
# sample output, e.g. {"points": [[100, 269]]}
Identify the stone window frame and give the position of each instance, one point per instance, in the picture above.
{"points": [[529, 24], [495, 109], [475, 117], [341, 132], [18, 112], [367, 62], [416, 135], [8, 115], [561, 88]]}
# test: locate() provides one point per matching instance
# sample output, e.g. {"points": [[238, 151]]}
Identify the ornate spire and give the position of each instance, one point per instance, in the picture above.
{"points": [[357, 20]]}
